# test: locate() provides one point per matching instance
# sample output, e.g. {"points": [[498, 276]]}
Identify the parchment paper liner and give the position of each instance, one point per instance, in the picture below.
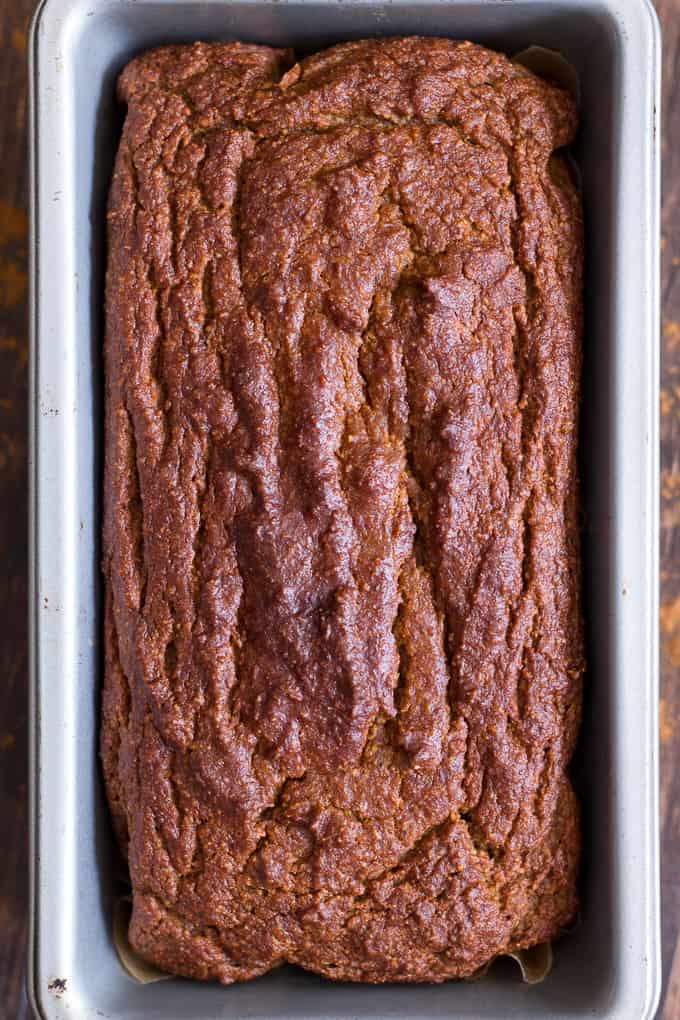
{"points": [[131, 962], [551, 65], [535, 963]]}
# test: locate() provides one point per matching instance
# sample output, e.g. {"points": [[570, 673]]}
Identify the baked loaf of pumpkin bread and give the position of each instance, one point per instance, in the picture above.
{"points": [[343, 639]]}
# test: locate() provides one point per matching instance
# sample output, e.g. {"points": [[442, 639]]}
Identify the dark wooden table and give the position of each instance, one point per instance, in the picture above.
{"points": [[14, 16]]}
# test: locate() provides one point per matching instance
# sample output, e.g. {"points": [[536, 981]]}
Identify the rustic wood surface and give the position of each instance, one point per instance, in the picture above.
{"points": [[14, 16]]}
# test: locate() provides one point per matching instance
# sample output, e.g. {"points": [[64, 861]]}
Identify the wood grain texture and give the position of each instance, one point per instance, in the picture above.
{"points": [[669, 12], [13, 510]]}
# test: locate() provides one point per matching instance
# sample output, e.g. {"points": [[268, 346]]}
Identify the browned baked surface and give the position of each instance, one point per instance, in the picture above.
{"points": [[343, 648]]}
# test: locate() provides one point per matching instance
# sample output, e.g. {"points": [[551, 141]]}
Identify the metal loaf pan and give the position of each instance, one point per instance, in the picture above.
{"points": [[608, 967]]}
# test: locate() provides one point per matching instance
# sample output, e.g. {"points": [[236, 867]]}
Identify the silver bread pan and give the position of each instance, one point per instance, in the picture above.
{"points": [[609, 966]]}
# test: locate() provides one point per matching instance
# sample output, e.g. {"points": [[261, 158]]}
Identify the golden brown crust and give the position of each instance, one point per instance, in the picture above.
{"points": [[343, 647]]}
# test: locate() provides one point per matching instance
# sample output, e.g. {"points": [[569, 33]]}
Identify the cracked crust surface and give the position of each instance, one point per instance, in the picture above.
{"points": [[343, 639]]}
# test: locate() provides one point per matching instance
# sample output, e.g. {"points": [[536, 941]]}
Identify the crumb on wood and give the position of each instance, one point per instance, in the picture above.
{"points": [[666, 722], [666, 402], [18, 40], [13, 223], [669, 619], [13, 282], [671, 333]]}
